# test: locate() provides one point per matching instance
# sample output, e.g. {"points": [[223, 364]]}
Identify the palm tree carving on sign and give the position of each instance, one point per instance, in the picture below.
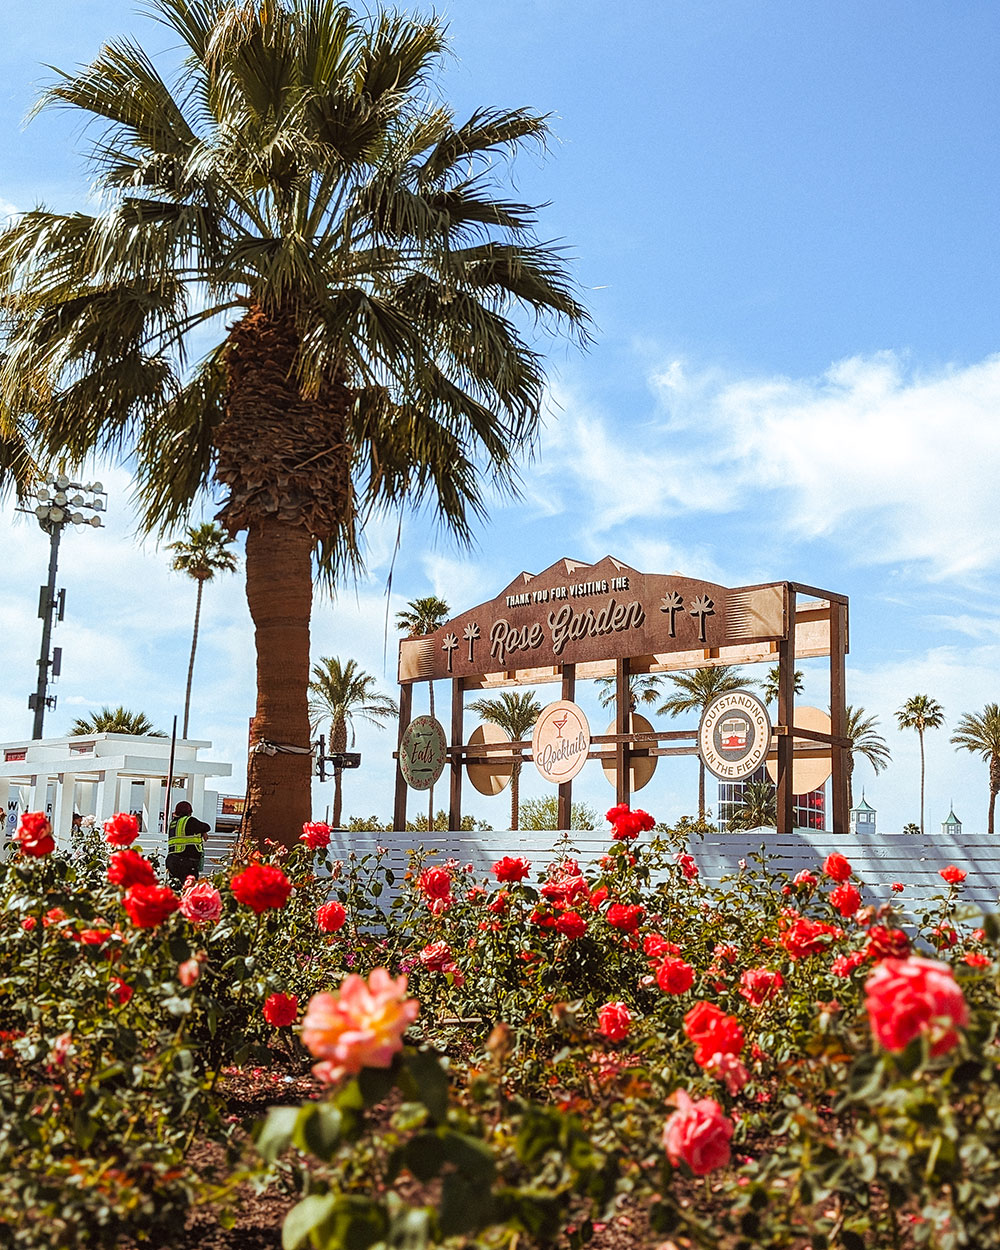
{"points": [[672, 603], [701, 608], [470, 634], [449, 644]]}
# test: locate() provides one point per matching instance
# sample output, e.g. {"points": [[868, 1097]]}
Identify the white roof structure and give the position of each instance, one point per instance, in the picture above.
{"points": [[96, 774]]}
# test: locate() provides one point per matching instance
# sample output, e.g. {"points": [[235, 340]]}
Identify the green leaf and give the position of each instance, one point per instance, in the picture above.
{"points": [[431, 1082], [319, 1129], [472, 1157], [375, 1084], [304, 1217], [276, 1132], [851, 1240], [466, 1206], [424, 1154]]}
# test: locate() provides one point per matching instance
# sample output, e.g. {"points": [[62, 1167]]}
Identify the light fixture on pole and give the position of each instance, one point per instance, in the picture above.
{"points": [[58, 502]]}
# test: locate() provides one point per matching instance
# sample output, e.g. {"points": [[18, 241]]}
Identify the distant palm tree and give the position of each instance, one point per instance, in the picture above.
{"points": [[920, 712], [693, 691], [865, 740], [202, 554], [515, 714], [642, 688], [118, 720], [422, 617], [769, 684], [980, 734], [759, 806], [339, 693]]}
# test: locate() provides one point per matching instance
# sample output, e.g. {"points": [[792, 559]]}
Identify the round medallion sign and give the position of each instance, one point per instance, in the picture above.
{"points": [[734, 735], [422, 752], [560, 742]]}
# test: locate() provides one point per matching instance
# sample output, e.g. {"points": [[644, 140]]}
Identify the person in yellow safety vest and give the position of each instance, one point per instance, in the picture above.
{"points": [[185, 844]]}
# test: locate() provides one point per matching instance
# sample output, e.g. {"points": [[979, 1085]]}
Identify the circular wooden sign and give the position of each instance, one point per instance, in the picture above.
{"points": [[560, 742], [423, 752], [640, 770], [734, 735], [489, 778], [809, 772]]}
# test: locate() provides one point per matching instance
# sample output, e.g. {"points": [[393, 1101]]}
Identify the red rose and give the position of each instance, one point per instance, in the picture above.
{"points": [[149, 905], [128, 868], [34, 835], [804, 877], [625, 916], [907, 997], [897, 887], [759, 985], [976, 959], [435, 885], [261, 886], [544, 919], [844, 965], [712, 1032], [674, 976], [511, 870], [627, 824], [499, 903], [846, 899], [953, 875], [655, 946], [315, 836], [837, 867], [614, 1020], [688, 866], [281, 1010], [121, 830], [93, 937], [598, 896], [802, 936], [886, 943], [697, 1134], [331, 916], [571, 924], [943, 936], [118, 992]]}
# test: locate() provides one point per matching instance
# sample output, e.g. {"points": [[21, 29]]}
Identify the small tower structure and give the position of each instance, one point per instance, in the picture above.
{"points": [[951, 826], [863, 817]]}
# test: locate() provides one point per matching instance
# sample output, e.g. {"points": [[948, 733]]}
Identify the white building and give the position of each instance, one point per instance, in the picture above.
{"points": [[100, 774]]}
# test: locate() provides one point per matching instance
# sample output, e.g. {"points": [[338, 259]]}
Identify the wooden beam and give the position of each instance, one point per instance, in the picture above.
{"points": [[564, 812], [838, 716], [623, 707], [786, 716], [405, 716], [457, 738]]}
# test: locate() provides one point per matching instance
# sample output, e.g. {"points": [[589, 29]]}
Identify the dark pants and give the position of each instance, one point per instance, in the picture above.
{"points": [[183, 864]]}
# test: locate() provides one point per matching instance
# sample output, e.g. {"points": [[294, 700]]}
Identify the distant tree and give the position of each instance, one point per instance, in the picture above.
{"points": [[911, 828], [203, 553], [980, 734], [339, 693], [515, 714], [759, 806], [118, 720], [865, 740], [469, 824], [693, 691], [543, 814], [642, 688], [921, 712], [769, 684]]}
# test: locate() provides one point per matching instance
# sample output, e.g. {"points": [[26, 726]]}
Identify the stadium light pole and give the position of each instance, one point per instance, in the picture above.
{"points": [[58, 502]]}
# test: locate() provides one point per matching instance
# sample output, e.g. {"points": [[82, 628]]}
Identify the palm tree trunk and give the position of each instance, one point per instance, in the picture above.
{"points": [[921, 781], [849, 770], [430, 793], [515, 793], [701, 790], [279, 594], [994, 789], [194, 647], [338, 744]]}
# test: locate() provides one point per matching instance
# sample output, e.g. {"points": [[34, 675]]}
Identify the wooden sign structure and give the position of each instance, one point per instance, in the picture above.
{"points": [[577, 621]]}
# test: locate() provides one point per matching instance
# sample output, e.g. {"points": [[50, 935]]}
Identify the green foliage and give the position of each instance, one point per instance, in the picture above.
{"points": [[544, 814]]}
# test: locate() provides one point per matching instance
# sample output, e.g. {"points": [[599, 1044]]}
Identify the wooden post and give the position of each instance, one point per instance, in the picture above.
{"points": [[786, 716], [623, 756], [838, 715], [564, 816], [405, 716], [457, 740]]}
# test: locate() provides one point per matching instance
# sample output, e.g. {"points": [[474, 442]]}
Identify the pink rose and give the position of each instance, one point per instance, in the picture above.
{"points": [[729, 1070], [758, 985], [188, 972], [907, 997], [201, 903], [361, 1026], [698, 1134], [614, 1020]]}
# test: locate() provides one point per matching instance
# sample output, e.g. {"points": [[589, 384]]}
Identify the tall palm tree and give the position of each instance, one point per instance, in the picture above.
{"points": [[865, 740], [693, 691], [342, 693], [920, 712], [980, 734], [516, 715], [420, 617], [642, 688], [201, 555], [116, 720], [769, 684], [295, 196], [759, 806]]}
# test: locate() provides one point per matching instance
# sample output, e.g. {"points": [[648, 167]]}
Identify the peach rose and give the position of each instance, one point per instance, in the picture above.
{"points": [[361, 1026], [697, 1133]]}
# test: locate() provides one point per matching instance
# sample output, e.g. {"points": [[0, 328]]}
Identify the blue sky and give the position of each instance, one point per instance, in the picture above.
{"points": [[784, 220]]}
